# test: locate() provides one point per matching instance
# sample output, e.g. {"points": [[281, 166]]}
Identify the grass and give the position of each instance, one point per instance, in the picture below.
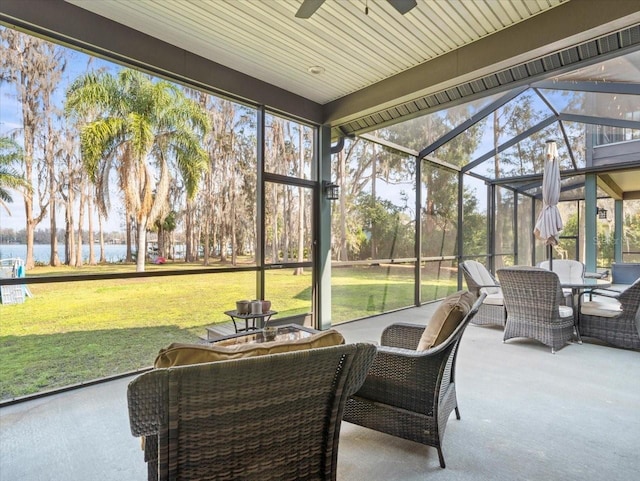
{"points": [[74, 332]]}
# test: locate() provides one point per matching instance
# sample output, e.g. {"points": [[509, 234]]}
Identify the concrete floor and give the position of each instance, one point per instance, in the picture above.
{"points": [[526, 415]]}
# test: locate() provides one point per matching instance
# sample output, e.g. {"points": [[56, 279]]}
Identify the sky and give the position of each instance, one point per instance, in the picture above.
{"points": [[11, 122]]}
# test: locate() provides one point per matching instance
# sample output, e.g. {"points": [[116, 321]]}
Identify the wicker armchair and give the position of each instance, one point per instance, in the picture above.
{"points": [[407, 393], [536, 306], [269, 418], [616, 322], [479, 280]]}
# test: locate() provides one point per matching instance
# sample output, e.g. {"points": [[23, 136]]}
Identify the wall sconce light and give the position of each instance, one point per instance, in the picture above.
{"points": [[601, 213], [331, 190]]}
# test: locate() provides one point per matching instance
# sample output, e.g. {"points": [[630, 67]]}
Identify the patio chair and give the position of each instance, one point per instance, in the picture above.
{"points": [[536, 306], [615, 321], [479, 280], [410, 393], [569, 271], [270, 418]]}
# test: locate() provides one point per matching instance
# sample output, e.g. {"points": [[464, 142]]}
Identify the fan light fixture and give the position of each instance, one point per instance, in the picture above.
{"points": [[309, 7]]}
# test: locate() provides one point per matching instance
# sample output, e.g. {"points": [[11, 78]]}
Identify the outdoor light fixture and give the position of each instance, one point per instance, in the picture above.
{"points": [[331, 190], [601, 213]]}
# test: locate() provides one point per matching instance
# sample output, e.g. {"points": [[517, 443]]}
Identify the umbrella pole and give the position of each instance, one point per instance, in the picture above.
{"points": [[550, 256]]}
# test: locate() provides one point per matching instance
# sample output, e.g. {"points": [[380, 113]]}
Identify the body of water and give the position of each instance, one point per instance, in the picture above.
{"points": [[42, 252]]}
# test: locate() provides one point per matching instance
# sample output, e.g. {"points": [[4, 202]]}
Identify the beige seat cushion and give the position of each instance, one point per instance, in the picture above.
{"points": [[447, 317], [494, 299], [565, 311], [178, 354], [569, 271], [602, 309], [482, 277]]}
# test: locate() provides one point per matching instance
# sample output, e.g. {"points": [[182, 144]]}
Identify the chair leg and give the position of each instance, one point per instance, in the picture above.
{"points": [[457, 413], [441, 458]]}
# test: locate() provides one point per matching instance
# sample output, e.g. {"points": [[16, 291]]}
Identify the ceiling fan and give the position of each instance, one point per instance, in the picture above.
{"points": [[309, 7]]}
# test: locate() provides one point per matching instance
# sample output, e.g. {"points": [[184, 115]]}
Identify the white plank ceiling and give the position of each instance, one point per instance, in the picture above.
{"points": [[264, 39]]}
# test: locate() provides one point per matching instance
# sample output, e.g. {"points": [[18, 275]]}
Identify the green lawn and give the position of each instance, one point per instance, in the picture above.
{"points": [[74, 332]]}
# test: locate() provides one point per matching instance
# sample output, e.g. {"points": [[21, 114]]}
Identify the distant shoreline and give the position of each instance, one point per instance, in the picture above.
{"points": [[42, 252]]}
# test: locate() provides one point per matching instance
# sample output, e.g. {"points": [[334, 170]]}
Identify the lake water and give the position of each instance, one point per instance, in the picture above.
{"points": [[42, 252]]}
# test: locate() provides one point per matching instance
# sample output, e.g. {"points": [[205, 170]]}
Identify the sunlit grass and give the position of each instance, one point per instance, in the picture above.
{"points": [[72, 332]]}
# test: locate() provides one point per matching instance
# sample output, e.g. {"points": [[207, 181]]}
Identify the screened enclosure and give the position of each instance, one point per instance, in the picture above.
{"points": [[416, 197]]}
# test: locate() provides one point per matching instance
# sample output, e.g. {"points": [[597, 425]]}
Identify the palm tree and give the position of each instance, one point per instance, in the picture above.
{"points": [[10, 153], [144, 130]]}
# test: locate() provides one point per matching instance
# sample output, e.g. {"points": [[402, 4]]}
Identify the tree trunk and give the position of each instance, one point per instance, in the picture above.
{"points": [[300, 270], [103, 255], [92, 254], [83, 201], [28, 195], [49, 159], [188, 233], [274, 238], [207, 243], [161, 241], [223, 245], [128, 227], [142, 244], [70, 249], [234, 221], [54, 259]]}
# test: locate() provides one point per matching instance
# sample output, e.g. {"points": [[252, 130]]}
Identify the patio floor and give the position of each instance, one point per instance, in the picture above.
{"points": [[526, 415]]}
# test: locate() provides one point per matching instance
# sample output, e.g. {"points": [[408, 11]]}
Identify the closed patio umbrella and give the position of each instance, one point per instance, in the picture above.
{"points": [[549, 222]]}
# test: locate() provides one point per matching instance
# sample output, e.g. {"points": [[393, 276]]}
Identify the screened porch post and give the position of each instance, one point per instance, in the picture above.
{"points": [[590, 228], [618, 222], [323, 257]]}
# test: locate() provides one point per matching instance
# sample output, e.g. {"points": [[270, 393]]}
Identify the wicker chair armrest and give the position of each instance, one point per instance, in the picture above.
{"points": [[402, 335], [402, 377], [476, 289], [363, 359], [148, 399], [630, 298], [396, 362]]}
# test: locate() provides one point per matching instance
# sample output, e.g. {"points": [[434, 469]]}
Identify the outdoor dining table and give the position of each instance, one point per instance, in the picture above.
{"points": [[579, 287]]}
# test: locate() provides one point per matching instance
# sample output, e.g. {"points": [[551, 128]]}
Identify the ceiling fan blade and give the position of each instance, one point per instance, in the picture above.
{"points": [[308, 8], [403, 6]]}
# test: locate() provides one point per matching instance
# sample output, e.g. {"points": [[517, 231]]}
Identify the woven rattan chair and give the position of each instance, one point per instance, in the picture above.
{"points": [[536, 306], [569, 271], [410, 394], [479, 280], [616, 322], [268, 418]]}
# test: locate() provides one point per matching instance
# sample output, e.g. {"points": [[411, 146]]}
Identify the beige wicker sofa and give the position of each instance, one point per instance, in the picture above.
{"points": [[273, 417]]}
